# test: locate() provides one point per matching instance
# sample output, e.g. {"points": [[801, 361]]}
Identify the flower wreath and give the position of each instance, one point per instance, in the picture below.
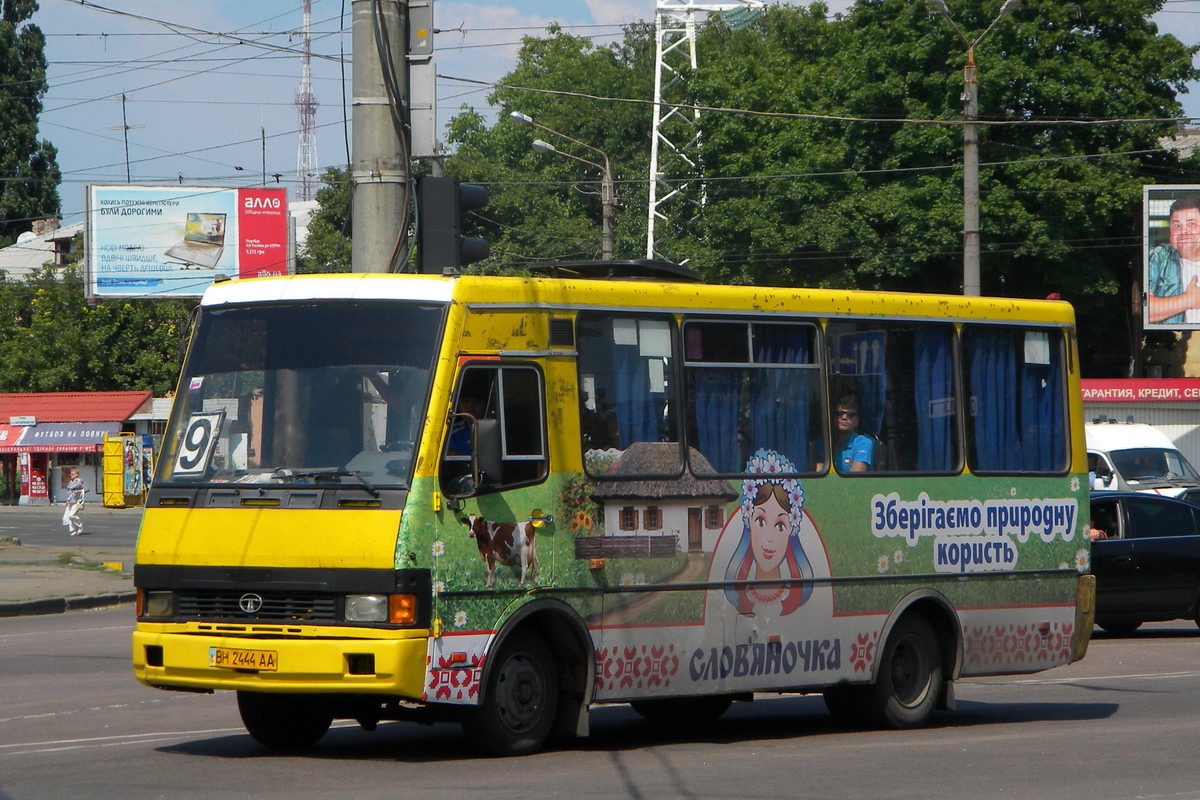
{"points": [[768, 463]]}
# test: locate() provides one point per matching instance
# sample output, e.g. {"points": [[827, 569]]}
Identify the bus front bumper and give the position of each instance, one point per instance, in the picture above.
{"points": [[330, 664]]}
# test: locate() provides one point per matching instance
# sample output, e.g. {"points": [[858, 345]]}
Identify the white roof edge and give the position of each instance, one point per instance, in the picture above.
{"points": [[363, 286]]}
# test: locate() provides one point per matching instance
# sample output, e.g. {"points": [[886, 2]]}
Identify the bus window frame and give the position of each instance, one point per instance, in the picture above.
{"points": [[819, 365]]}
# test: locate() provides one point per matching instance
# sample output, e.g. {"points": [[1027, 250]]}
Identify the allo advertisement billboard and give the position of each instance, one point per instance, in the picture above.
{"points": [[173, 241]]}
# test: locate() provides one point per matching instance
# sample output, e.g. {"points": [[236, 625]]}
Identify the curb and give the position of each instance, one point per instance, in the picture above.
{"points": [[61, 605]]}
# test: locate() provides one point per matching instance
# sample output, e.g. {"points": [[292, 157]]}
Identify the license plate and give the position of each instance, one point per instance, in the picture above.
{"points": [[233, 658]]}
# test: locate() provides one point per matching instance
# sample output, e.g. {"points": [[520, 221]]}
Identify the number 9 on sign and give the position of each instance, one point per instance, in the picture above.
{"points": [[199, 441]]}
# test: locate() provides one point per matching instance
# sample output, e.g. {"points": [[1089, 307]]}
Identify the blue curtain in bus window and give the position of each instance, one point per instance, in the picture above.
{"points": [[867, 351], [716, 398], [934, 401], [780, 401], [1043, 436], [995, 378], [638, 415]]}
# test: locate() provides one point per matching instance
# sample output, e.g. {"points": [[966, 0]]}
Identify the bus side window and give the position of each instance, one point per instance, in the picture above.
{"points": [[500, 411], [894, 390], [627, 391], [1017, 399]]}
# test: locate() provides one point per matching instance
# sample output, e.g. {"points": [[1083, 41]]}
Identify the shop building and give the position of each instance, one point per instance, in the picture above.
{"points": [[42, 435], [1170, 404]]}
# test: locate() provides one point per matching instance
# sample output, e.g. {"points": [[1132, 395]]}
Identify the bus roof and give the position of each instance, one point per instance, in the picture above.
{"points": [[496, 292]]}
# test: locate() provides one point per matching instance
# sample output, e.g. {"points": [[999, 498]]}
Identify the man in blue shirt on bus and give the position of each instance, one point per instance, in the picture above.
{"points": [[857, 451]]}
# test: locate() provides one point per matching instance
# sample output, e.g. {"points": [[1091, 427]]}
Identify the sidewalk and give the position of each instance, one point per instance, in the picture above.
{"points": [[67, 576]]}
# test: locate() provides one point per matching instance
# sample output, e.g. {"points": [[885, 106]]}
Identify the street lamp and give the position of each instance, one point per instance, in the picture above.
{"points": [[608, 195], [970, 99]]}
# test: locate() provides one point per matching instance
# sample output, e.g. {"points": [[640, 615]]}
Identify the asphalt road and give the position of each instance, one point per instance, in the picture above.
{"points": [[102, 527], [1120, 724]]}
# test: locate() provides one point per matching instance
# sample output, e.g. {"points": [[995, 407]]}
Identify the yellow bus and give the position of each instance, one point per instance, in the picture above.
{"points": [[499, 501]]}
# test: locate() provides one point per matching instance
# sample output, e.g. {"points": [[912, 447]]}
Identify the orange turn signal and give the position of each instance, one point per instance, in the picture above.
{"points": [[402, 609]]}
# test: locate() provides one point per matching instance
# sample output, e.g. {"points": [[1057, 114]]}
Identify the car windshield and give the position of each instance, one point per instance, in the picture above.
{"points": [[1153, 464], [318, 392]]}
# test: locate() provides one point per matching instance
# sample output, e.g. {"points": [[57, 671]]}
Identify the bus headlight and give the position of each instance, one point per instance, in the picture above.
{"points": [[155, 604], [366, 608], [398, 609]]}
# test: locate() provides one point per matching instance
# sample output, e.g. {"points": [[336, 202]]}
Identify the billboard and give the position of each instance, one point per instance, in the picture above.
{"points": [[172, 241], [1171, 257]]}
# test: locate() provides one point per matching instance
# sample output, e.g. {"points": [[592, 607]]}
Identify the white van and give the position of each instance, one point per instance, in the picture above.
{"points": [[1135, 457]]}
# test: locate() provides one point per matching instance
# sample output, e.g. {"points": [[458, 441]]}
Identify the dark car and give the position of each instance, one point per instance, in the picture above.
{"points": [[1148, 567]]}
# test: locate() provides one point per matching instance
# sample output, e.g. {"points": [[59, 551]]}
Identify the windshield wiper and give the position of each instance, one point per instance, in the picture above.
{"points": [[318, 474]]}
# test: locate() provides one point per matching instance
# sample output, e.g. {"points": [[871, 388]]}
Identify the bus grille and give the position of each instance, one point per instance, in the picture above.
{"points": [[275, 607]]}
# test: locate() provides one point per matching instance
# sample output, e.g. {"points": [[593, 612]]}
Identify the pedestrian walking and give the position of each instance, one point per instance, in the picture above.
{"points": [[75, 492]]}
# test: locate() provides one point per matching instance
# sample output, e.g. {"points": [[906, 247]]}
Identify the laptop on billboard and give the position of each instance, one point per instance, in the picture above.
{"points": [[203, 240]]}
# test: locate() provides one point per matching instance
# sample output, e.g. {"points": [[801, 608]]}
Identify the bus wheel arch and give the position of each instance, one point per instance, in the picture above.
{"points": [[569, 647], [921, 640]]}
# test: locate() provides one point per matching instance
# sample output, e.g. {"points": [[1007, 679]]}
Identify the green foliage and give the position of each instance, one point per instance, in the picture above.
{"points": [[28, 165], [546, 206], [328, 246], [866, 197], [51, 340]]}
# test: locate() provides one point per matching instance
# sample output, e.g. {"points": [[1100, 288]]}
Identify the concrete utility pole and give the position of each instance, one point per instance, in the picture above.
{"points": [[379, 173], [970, 98]]}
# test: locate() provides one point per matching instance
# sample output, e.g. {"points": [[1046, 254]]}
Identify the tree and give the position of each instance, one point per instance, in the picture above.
{"points": [[29, 174], [545, 206], [51, 340], [878, 204], [866, 191], [328, 246]]}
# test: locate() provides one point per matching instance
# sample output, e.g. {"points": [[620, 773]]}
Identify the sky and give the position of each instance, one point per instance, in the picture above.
{"points": [[205, 109]]}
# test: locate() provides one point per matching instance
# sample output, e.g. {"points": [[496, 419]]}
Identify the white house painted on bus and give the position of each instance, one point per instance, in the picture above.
{"points": [[688, 509]]}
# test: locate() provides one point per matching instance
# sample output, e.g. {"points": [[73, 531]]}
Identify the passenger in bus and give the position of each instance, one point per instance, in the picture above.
{"points": [[772, 511], [855, 451]]}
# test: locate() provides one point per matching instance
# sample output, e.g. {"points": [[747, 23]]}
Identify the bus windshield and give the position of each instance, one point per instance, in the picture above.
{"points": [[324, 392]]}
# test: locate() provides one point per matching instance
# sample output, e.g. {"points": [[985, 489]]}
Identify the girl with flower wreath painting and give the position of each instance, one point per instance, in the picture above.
{"points": [[769, 548]]}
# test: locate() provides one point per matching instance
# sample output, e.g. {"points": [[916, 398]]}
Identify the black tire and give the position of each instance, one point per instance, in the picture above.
{"points": [[684, 710], [846, 703], [1121, 628], [520, 699], [910, 676], [283, 721]]}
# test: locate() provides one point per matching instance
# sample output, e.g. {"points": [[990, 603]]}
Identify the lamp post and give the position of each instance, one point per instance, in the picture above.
{"points": [[608, 195], [970, 97]]}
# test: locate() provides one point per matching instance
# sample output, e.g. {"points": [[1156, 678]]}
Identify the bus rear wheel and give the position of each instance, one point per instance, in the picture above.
{"points": [[283, 721], [520, 699], [910, 676]]}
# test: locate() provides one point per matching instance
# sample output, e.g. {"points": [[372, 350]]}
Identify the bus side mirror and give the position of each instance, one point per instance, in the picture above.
{"points": [[486, 463], [484, 453]]}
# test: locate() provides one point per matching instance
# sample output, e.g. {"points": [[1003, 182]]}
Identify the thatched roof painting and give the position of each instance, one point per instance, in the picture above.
{"points": [[657, 458]]}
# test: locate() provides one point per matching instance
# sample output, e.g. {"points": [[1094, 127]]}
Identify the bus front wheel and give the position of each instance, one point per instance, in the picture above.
{"points": [[520, 699], [283, 721], [910, 676]]}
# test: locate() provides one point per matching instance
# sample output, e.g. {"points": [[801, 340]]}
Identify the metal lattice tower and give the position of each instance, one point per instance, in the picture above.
{"points": [[306, 109], [675, 172]]}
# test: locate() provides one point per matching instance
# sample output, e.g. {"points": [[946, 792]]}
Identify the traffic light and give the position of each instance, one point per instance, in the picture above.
{"points": [[441, 202]]}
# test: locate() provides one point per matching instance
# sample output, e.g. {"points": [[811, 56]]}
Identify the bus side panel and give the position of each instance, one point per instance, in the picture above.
{"points": [[676, 620]]}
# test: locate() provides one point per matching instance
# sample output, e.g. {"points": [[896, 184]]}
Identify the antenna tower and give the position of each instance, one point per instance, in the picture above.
{"points": [[675, 142], [306, 109]]}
